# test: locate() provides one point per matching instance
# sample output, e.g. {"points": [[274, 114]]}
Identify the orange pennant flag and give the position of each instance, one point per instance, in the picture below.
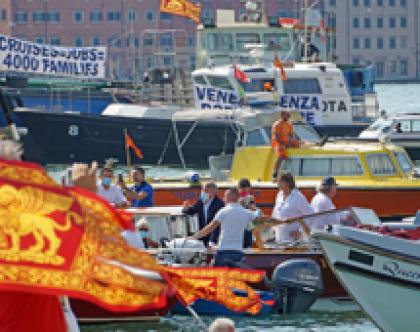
{"points": [[129, 142], [181, 7], [67, 241], [278, 64]]}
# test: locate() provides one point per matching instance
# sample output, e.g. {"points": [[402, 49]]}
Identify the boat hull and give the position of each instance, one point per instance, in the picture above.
{"points": [[370, 276], [87, 312], [57, 138]]}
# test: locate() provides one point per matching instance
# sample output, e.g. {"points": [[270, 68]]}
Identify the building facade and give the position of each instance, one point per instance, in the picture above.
{"points": [[384, 33], [127, 27]]}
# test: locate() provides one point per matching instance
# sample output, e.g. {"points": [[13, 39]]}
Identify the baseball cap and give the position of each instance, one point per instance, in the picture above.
{"points": [[328, 181]]}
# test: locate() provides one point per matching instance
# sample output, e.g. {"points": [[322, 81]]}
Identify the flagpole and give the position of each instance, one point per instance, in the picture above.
{"points": [[127, 148]]}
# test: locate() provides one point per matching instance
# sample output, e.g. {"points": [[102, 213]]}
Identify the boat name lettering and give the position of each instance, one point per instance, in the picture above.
{"points": [[312, 103], [210, 97], [395, 270], [24, 56], [73, 130]]}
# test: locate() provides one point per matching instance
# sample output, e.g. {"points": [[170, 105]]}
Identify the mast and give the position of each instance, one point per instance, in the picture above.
{"points": [[305, 34]]}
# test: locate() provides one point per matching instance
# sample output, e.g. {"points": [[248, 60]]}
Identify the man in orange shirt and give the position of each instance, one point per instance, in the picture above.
{"points": [[283, 136]]}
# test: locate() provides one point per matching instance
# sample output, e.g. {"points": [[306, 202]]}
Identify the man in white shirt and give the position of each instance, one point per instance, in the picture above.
{"points": [[290, 203], [233, 219], [109, 191], [322, 202]]}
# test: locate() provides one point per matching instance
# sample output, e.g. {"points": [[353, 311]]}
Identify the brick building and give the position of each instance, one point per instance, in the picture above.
{"points": [[125, 26]]}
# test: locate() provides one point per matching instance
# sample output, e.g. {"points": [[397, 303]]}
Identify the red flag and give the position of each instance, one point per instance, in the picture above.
{"points": [[240, 75], [129, 142], [278, 64], [323, 32]]}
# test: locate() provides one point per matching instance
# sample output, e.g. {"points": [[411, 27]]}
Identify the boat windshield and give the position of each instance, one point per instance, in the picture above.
{"points": [[404, 162], [381, 125]]}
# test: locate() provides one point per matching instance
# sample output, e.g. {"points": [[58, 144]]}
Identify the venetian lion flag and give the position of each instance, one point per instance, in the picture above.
{"points": [[66, 241], [181, 7]]}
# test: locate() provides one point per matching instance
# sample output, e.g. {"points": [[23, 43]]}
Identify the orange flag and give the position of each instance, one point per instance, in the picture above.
{"points": [[66, 241], [129, 142], [278, 64], [181, 7]]}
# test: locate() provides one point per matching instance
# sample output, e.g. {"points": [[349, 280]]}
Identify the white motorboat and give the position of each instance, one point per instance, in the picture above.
{"points": [[401, 129], [380, 271]]}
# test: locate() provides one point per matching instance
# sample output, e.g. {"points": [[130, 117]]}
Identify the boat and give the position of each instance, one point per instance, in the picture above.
{"points": [[166, 135], [170, 227], [380, 268], [379, 176], [402, 129]]}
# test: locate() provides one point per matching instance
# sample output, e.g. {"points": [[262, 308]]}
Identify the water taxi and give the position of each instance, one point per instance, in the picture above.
{"points": [[378, 176]]}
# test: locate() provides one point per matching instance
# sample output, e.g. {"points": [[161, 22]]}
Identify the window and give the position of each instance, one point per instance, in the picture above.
{"points": [[392, 43], [315, 166], [403, 22], [404, 161], [148, 41], [39, 40], [380, 3], [403, 42], [114, 16], [333, 3], [96, 16], [114, 42], [276, 41], [379, 22], [405, 126], [392, 67], [55, 41], [355, 22], [379, 69], [220, 41], [366, 3], [199, 80], [403, 67], [356, 43], [255, 138], [191, 41], [78, 41], [302, 85], [246, 38], [380, 43], [166, 39], [367, 22], [207, 13], [78, 16], [167, 61], [292, 165], [3, 14], [96, 41], [53, 16], [257, 85], [391, 3], [21, 16], [346, 166], [149, 15], [367, 43], [355, 3], [415, 125], [356, 61], [165, 17], [380, 164], [403, 3], [132, 15], [38, 16], [392, 23], [220, 82]]}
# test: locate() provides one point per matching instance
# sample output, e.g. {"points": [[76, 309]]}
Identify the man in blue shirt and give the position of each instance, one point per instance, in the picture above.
{"points": [[141, 193]]}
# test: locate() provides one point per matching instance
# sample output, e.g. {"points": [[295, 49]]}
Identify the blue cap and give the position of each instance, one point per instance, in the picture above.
{"points": [[328, 181]]}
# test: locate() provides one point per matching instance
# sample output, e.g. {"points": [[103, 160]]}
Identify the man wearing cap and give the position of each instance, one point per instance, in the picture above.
{"points": [[141, 193], [322, 202]]}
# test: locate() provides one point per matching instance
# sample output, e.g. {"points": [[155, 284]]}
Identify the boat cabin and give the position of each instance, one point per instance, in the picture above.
{"points": [[345, 160]]}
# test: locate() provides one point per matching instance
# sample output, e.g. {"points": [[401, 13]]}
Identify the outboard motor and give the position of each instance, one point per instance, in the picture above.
{"points": [[297, 283]]}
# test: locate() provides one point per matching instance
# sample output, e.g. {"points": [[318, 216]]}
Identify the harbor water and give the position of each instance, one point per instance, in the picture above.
{"points": [[394, 98]]}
